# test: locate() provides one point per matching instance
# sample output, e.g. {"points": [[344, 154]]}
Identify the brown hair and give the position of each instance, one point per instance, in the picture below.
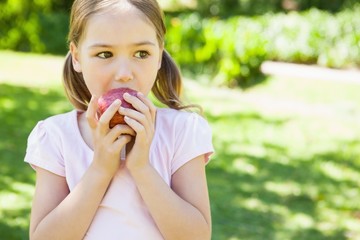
{"points": [[168, 85]]}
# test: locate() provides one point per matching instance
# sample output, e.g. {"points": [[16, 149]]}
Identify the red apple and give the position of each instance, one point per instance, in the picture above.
{"points": [[109, 97]]}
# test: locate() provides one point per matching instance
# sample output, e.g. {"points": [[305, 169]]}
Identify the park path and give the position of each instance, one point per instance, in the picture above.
{"points": [[292, 70], [294, 101]]}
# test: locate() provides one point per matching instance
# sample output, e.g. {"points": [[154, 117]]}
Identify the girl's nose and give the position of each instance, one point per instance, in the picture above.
{"points": [[123, 71]]}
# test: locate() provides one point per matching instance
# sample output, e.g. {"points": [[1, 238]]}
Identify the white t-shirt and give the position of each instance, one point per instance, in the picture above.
{"points": [[56, 145]]}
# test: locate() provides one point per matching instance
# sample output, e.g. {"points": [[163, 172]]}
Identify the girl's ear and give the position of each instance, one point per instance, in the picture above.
{"points": [[75, 57]]}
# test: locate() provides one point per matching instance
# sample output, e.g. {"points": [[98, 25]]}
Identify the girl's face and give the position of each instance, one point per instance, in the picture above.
{"points": [[119, 48]]}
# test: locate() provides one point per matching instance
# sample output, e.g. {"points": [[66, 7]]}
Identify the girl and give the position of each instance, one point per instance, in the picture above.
{"points": [[83, 190]]}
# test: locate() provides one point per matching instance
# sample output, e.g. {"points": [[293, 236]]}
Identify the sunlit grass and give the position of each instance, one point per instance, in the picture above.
{"points": [[31, 70], [287, 161], [289, 150]]}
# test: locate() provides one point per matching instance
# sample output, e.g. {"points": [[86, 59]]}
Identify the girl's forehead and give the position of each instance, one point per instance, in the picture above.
{"points": [[109, 23], [121, 8]]}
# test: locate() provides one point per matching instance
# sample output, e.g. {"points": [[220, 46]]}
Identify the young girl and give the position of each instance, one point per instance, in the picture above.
{"points": [[83, 189]]}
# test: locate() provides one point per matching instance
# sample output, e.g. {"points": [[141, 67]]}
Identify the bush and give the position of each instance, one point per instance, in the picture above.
{"points": [[231, 51], [239, 50], [332, 42], [53, 32], [34, 26], [226, 8]]}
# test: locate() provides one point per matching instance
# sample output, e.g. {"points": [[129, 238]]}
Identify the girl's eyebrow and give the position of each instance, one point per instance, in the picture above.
{"points": [[144, 43], [136, 44]]}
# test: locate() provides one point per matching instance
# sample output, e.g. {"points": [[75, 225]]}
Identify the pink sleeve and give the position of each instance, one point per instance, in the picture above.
{"points": [[43, 150], [194, 138]]}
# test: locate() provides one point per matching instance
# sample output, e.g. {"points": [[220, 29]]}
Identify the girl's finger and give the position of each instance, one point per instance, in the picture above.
{"points": [[135, 102], [142, 120], [141, 123], [91, 112], [121, 142], [119, 130], [109, 113], [134, 124], [150, 112], [142, 105], [148, 103]]}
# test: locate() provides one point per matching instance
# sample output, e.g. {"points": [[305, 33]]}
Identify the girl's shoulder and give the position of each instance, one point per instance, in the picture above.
{"points": [[62, 117], [178, 121], [56, 125], [46, 141], [185, 135], [177, 116]]}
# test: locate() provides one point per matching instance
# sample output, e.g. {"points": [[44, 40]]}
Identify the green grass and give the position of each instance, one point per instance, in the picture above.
{"points": [[287, 162]]}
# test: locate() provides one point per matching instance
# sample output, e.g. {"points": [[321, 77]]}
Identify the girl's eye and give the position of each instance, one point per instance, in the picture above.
{"points": [[142, 54], [105, 55]]}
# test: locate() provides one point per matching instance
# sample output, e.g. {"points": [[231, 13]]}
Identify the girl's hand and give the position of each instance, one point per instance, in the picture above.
{"points": [[107, 143], [142, 121]]}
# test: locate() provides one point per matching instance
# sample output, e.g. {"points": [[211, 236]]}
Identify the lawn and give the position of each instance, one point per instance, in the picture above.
{"points": [[287, 162]]}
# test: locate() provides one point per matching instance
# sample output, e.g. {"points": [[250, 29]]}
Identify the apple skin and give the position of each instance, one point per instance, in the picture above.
{"points": [[109, 97]]}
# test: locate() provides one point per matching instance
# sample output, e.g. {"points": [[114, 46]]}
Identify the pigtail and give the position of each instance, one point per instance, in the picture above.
{"points": [[168, 85], [75, 88], [167, 88]]}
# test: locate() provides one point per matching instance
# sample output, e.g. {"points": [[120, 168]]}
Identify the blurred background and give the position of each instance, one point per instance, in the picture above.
{"points": [[279, 81]]}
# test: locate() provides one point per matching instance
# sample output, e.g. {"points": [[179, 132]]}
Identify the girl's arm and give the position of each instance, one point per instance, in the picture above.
{"points": [[182, 211], [58, 214]]}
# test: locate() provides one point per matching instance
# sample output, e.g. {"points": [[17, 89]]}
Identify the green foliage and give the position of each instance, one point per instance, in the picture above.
{"points": [[36, 26], [53, 32], [19, 26], [226, 8], [231, 51], [334, 42]]}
